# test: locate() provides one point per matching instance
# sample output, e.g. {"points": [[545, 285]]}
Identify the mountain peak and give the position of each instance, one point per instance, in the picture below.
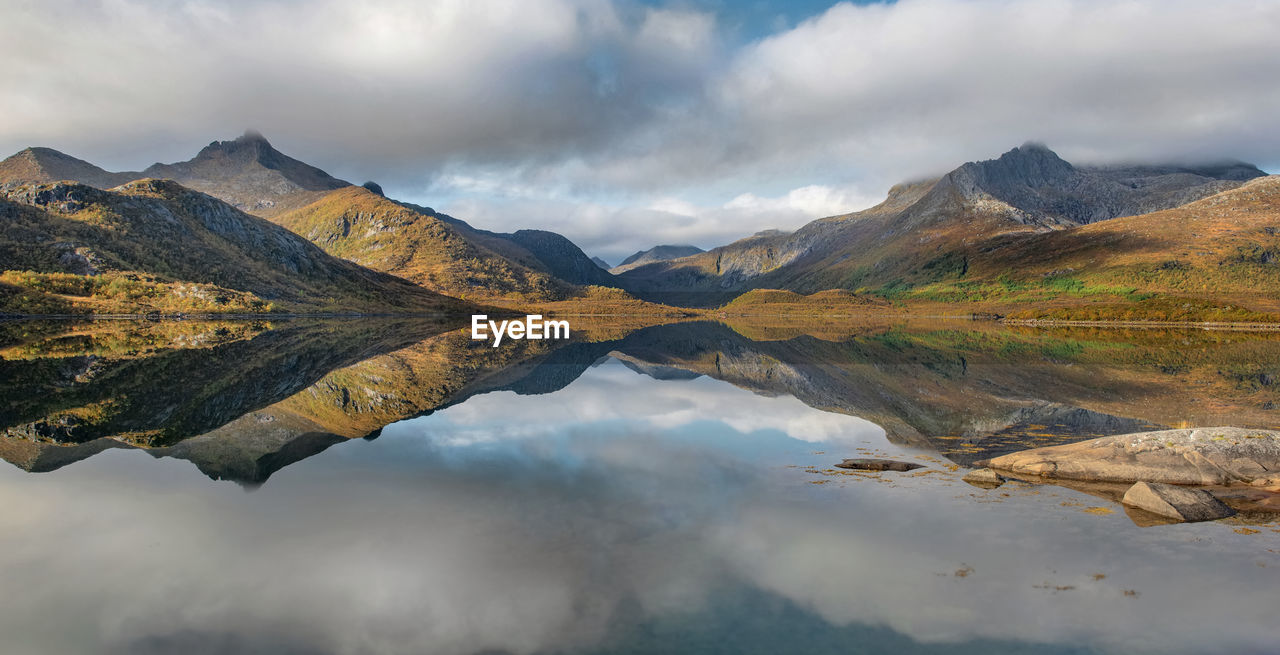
{"points": [[250, 145], [1043, 188], [661, 253], [1032, 163], [250, 174], [38, 164], [40, 155]]}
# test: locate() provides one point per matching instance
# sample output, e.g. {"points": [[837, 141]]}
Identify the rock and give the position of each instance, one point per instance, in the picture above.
{"points": [[985, 478], [1196, 456], [1176, 502], [872, 464], [1269, 484], [374, 187]]}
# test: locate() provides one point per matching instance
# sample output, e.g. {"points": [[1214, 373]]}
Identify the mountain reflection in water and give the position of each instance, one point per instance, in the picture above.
{"points": [[665, 489]]}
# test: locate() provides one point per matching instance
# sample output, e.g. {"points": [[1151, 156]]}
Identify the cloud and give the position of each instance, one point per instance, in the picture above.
{"points": [[923, 85], [396, 88], [616, 231], [600, 110]]}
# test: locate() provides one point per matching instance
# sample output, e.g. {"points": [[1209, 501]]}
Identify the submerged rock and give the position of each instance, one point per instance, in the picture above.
{"points": [[985, 478], [873, 464], [1179, 503], [1197, 456]]}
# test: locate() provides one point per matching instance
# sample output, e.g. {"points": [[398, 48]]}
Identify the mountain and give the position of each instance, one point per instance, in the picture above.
{"points": [[246, 172], [357, 223], [441, 252], [560, 257], [1223, 249], [601, 263], [48, 165], [655, 254], [927, 232], [1046, 189], [156, 246], [419, 245], [251, 175]]}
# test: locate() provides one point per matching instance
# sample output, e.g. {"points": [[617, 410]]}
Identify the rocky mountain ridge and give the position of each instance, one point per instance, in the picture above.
{"points": [[922, 230], [1046, 189]]}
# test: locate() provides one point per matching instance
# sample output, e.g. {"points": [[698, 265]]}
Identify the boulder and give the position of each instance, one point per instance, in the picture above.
{"points": [[985, 478], [873, 464], [1196, 456], [1179, 503]]}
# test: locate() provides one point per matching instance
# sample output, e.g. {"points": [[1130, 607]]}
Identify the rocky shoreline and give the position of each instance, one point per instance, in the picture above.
{"points": [[1164, 467]]}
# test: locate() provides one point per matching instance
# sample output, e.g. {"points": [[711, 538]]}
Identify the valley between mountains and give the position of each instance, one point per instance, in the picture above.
{"points": [[243, 228]]}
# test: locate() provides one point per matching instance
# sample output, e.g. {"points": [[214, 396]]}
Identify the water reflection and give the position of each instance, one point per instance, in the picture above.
{"points": [[621, 513], [243, 400]]}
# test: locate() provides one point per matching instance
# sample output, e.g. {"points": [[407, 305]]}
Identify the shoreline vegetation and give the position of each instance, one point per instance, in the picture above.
{"points": [[791, 308], [832, 305]]}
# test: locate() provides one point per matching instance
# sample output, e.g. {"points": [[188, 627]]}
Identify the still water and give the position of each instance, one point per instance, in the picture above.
{"points": [[293, 488]]}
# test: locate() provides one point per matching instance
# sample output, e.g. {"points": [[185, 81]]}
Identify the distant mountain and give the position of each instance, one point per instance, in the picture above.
{"points": [[655, 254], [561, 257], [48, 165], [601, 263], [926, 231], [153, 245], [251, 175]]}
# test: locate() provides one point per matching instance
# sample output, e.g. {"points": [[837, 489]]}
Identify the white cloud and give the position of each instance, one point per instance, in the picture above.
{"points": [[601, 111], [923, 85], [814, 200], [614, 232], [395, 87]]}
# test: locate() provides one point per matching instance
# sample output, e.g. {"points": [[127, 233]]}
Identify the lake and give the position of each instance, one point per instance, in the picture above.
{"points": [[390, 486]]}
